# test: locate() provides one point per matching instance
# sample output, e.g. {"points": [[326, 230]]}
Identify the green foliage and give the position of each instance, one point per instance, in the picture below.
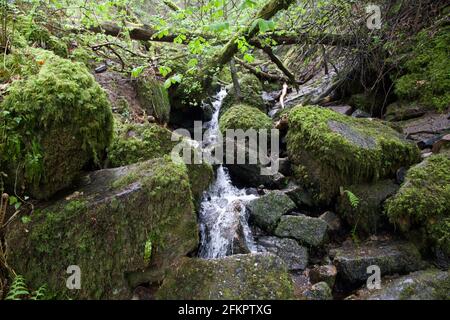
{"points": [[427, 77], [245, 117], [19, 291], [354, 200]]}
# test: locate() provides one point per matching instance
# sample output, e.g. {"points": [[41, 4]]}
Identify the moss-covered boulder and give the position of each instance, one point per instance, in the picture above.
{"points": [[367, 216], [244, 117], [238, 277], [329, 151], [154, 98], [54, 119], [251, 93], [421, 209], [133, 143], [123, 226]]}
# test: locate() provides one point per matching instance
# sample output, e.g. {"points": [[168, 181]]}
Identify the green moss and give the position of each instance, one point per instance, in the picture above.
{"points": [[238, 277], [423, 202], [330, 150], [105, 231], [244, 117], [154, 98], [427, 77], [251, 92], [37, 35], [133, 143], [54, 119]]}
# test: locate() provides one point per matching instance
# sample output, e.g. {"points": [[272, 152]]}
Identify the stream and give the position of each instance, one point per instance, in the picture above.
{"points": [[223, 216]]}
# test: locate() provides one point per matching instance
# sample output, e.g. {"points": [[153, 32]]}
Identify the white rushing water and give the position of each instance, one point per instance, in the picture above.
{"points": [[222, 213]]}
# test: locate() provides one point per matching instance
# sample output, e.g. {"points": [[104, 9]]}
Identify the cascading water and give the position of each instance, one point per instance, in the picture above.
{"points": [[222, 212]]}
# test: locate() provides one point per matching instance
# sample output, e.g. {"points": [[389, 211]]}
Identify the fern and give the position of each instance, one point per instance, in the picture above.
{"points": [[18, 289], [354, 200]]}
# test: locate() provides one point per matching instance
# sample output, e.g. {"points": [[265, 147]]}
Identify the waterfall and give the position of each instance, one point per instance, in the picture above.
{"points": [[222, 213]]}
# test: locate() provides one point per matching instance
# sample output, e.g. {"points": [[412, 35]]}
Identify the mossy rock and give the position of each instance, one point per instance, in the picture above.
{"points": [[307, 230], [238, 277], [244, 117], [54, 120], [122, 224], [154, 98], [329, 151], [421, 209], [367, 102], [38, 36], [267, 210], [133, 143], [367, 217], [251, 92]]}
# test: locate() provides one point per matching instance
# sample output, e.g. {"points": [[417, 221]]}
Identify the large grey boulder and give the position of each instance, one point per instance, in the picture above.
{"points": [[391, 257], [294, 255], [307, 230]]}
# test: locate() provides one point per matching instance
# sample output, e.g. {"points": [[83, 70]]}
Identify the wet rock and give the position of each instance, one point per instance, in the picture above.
{"points": [[329, 151], [266, 211], [367, 215], [421, 285], [319, 291], [105, 227], [307, 230], [429, 143], [294, 255], [403, 111], [421, 129], [360, 114], [392, 257], [345, 110], [260, 276], [332, 220], [326, 273]]}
